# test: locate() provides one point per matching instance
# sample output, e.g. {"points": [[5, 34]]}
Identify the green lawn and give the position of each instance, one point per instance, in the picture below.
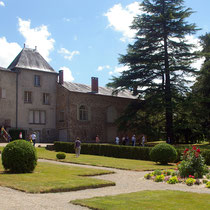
{"points": [[49, 177], [128, 164], [149, 200]]}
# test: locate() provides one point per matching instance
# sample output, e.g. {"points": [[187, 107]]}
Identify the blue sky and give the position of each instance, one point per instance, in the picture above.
{"points": [[84, 38]]}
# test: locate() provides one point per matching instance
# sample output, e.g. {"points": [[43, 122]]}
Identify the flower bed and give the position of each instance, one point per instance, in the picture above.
{"points": [[190, 171], [173, 177]]}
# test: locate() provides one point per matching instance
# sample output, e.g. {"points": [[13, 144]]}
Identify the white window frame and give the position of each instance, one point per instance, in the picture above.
{"points": [[28, 97], [37, 117]]}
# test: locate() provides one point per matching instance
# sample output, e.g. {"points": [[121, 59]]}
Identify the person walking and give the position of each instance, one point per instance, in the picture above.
{"points": [[133, 139], [33, 137], [77, 147], [126, 140], [117, 140], [97, 139], [143, 140], [123, 140]]}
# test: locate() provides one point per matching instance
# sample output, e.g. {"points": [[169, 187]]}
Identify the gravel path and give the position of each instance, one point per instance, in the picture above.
{"points": [[126, 182]]}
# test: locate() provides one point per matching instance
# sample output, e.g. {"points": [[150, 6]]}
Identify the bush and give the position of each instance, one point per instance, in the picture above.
{"points": [[173, 180], [19, 156], [205, 181], [193, 164], [163, 153], [190, 181], [148, 176], [208, 184], [159, 178], [157, 172], [61, 155]]}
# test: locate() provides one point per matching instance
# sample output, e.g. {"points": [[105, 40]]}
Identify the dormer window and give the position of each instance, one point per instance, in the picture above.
{"points": [[37, 80]]}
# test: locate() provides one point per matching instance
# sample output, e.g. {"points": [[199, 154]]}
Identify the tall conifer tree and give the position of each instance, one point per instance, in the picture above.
{"points": [[160, 56]]}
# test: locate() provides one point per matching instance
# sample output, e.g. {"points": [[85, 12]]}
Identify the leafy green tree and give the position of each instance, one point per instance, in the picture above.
{"points": [[201, 89], [160, 57]]}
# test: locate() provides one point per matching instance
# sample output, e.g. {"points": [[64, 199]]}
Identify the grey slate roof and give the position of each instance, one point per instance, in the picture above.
{"points": [[30, 59], [81, 88]]}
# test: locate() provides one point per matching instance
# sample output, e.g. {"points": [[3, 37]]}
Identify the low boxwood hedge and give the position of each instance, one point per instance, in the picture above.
{"points": [[118, 151]]}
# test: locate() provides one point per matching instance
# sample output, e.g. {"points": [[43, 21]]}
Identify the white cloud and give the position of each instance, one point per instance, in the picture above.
{"points": [[8, 51], [67, 54], [67, 74], [38, 36], [118, 70], [66, 19], [120, 19], [101, 68], [2, 4]]}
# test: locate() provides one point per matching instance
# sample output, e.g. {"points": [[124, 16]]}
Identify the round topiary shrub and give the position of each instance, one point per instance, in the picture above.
{"points": [[61, 155], [163, 153], [19, 156]]}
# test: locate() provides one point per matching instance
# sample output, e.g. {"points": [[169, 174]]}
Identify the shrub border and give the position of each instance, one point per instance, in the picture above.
{"points": [[118, 151]]}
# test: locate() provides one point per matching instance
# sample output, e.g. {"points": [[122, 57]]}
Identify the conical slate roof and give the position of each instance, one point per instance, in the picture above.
{"points": [[30, 59]]}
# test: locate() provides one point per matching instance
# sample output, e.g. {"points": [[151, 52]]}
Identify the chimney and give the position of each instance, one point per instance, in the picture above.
{"points": [[94, 84], [60, 77]]}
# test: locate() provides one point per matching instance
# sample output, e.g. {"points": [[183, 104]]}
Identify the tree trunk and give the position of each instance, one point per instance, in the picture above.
{"points": [[168, 103]]}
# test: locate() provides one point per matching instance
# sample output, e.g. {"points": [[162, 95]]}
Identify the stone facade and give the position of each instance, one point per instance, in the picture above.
{"points": [[28, 96], [102, 111], [7, 98], [32, 99], [30, 113]]}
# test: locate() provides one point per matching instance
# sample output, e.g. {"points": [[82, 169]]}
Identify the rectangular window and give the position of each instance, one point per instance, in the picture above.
{"points": [[28, 97], [2, 93], [46, 98], [36, 80], [37, 117], [61, 116]]}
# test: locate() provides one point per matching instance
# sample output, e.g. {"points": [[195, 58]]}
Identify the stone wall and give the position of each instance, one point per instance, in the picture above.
{"points": [[100, 110]]}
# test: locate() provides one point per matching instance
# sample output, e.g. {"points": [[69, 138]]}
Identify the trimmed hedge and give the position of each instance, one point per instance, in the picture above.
{"points": [[19, 156], [61, 155], [118, 151], [163, 153]]}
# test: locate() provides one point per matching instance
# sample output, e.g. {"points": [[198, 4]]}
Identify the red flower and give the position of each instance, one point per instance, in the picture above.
{"points": [[186, 150], [196, 154], [193, 177], [198, 150], [190, 176], [194, 147]]}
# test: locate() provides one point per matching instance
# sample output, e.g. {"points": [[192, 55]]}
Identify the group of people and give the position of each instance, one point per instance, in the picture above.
{"points": [[126, 141]]}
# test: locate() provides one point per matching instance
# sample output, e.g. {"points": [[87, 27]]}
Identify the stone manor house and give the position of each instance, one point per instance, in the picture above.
{"points": [[34, 97]]}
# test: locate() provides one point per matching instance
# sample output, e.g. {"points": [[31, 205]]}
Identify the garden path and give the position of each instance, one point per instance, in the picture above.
{"points": [[126, 182]]}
